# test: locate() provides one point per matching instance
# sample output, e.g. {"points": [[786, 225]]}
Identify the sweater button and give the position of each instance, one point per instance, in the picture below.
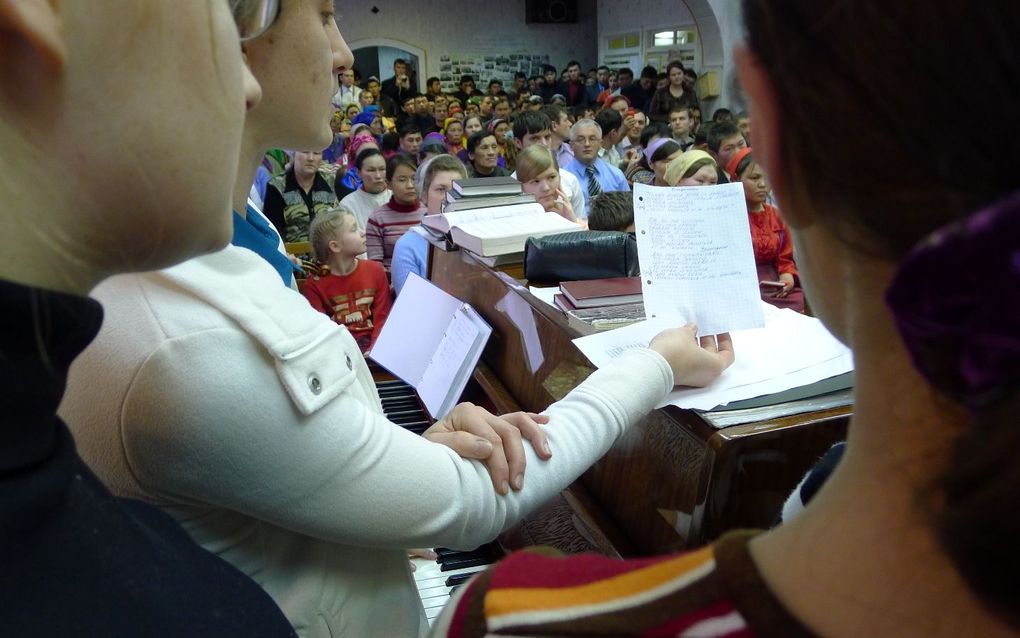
{"points": [[350, 364], [314, 384]]}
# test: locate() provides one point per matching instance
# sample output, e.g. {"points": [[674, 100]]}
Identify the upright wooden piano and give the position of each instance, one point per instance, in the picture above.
{"points": [[673, 481]]}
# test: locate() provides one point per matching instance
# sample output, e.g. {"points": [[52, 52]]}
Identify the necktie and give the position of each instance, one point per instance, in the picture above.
{"points": [[594, 188]]}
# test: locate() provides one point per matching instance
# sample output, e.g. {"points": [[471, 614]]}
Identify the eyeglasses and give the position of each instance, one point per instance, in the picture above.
{"points": [[254, 17]]}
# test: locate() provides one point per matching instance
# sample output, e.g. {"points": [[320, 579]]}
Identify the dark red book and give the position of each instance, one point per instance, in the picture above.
{"points": [[563, 303], [593, 293]]}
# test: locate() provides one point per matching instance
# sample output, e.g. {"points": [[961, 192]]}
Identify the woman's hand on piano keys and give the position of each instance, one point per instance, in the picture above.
{"points": [[694, 363], [475, 433]]}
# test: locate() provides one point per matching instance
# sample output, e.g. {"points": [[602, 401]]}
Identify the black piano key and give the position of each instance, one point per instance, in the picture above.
{"points": [[454, 581], [473, 561], [442, 558]]}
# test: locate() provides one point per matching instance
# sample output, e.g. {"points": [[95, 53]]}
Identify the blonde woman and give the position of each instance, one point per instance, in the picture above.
{"points": [[539, 175]]}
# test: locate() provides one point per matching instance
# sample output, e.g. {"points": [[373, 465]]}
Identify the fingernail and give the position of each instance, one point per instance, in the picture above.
{"points": [[504, 487], [518, 481], [545, 446]]}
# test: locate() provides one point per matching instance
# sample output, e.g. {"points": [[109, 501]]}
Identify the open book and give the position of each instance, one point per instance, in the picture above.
{"points": [[432, 341], [500, 229]]}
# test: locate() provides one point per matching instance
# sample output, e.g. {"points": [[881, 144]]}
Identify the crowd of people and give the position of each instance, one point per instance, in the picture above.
{"points": [[189, 448], [602, 133]]}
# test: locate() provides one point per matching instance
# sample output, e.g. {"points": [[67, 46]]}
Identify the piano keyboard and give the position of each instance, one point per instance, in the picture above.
{"points": [[401, 406], [437, 580]]}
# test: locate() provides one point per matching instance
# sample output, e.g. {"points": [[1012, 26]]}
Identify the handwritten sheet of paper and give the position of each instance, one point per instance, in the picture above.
{"points": [[446, 368], [790, 351], [697, 261]]}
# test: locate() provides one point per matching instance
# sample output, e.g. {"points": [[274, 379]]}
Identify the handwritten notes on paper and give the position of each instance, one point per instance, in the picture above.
{"points": [[697, 261]]}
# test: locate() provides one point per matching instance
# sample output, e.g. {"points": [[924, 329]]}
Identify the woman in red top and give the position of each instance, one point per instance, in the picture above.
{"points": [[773, 249]]}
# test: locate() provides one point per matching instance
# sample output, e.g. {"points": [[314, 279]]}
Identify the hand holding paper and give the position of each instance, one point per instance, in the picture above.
{"points": [[695, 362]]}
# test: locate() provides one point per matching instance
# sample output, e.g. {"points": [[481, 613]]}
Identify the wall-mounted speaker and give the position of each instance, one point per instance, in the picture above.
{"points": [[550, 11]]}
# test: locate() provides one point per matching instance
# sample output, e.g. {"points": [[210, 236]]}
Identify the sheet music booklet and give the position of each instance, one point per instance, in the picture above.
{"points": [[432, 341]]}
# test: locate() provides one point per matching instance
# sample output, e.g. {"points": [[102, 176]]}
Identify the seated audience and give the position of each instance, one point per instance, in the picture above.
{"points": [[361, 139], [693, 168], [391, 220], [373, 192], [467, 89], [612, 211], [743, 122], [658, 155], [560, 126], [539, 175], [722, 115], [334, 153], [410, 140], [595, 175], [633, 126], [389, 144], [433, 179], [534, 128], [639, 172], [611, 124], [724, 140], [352, 292], [773, 246], [483, 154], [453, 130], [434, 144], [296, 197], [680, 125]]}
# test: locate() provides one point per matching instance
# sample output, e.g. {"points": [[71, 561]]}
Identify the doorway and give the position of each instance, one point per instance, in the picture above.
{"points": [[375, 57]]}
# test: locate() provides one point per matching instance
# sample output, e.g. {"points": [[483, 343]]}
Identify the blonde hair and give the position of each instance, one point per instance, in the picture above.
{"points": [[533, 161], [324, 228]]}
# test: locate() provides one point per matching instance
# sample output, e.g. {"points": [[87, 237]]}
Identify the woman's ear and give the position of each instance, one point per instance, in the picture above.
{"points": [[31, 37], [765, 112]]}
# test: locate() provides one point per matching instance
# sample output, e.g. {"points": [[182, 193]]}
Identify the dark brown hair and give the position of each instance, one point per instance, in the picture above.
{"points": [[870, 79]]}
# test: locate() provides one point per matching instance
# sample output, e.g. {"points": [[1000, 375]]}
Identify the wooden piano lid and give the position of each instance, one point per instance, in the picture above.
{"points": [[673, 481]]}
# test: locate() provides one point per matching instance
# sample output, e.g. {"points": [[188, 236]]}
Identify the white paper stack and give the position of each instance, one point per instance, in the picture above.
{"points": [[791, 351]]}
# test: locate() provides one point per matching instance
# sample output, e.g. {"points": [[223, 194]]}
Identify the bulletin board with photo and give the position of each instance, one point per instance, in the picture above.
{"points": [[486, 67]]}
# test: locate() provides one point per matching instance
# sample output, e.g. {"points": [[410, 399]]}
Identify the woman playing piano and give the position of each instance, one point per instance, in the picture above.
{"points": [[915, 532], [218, 393]]}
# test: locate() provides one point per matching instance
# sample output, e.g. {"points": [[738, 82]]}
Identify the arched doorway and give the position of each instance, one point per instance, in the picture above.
{"points": [[375, 56]]}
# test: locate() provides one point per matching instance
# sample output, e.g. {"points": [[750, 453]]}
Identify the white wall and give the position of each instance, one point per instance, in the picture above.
{"points": [[463, 26], [717, 21]]}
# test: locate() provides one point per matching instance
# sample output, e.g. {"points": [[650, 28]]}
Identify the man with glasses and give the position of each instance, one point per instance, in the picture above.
{"points": [[595, 174]]}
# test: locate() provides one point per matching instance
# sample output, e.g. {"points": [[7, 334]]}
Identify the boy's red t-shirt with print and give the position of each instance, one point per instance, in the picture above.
{"points": [[361, 301]]}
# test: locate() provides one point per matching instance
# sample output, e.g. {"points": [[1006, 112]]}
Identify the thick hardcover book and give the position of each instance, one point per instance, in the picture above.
{"points": [[602, 292], [486, 186]]}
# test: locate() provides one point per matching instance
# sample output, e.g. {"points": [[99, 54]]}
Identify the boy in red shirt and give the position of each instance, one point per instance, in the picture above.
{"points": [[354, 292]]}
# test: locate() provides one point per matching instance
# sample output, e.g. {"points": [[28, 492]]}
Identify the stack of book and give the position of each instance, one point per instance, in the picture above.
{"points": [[602, 303], [492, 217], [485, 192], [595, 293]]}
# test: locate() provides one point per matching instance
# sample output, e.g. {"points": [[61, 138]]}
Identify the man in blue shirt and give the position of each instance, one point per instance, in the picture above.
{"points": [[595, 174]]}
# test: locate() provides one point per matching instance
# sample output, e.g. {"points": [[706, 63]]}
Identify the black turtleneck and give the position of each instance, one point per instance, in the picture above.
{"points": [[75, 560]]}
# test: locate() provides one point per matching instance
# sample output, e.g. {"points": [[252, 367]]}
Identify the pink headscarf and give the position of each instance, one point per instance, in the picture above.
{"points": [[356, 144]]}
